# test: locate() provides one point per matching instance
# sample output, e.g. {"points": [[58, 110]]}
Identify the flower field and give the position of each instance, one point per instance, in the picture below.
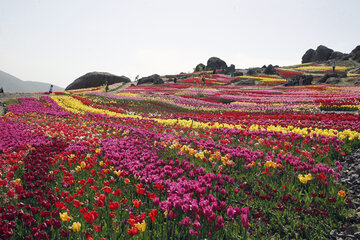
{"points": [[178, 161]]}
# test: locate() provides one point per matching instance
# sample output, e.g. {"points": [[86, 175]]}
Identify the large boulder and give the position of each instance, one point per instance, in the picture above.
{"points": [[308, 56], [96, 79], [336, 55], [322, 53], [270, 70], [332, 80], [324, 78], [247, 81], [215, 63], [200, 67], [355, 54], [153, 79], [300, 80], [230, 69]]}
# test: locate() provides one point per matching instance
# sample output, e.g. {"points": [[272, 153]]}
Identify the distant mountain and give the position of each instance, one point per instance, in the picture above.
{"points": [[12, 84]]}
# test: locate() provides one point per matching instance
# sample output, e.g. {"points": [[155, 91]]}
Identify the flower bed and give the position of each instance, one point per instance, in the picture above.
{"points": [[103, 169]]}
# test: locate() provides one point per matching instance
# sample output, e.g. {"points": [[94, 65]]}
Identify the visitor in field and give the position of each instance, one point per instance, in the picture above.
{"points": [[334, 65], [203, 79], [175, 80], [106, 86], [51, 88]]}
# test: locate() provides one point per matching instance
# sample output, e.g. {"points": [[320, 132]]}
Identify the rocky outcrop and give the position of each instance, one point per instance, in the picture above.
{"points": [[270, 70], [336, 55], [350, 177], [308, 56], [215, 63], [324, 78], [355, 54], [322, 53], [300, 80], [230, 69], [248, 81], [200, 67], [332, 80], [96, 79], [153, 79]]}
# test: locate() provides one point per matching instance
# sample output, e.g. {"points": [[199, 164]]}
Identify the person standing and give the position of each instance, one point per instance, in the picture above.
{"points": [[51, 88], [106, 86], [333, 66]]}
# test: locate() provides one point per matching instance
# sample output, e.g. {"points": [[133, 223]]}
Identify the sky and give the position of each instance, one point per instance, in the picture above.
{"points": [[57, 41]]}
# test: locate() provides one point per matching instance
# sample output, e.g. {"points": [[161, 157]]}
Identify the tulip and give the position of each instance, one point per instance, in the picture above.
{"points": [[76, 227], [64, 216]]}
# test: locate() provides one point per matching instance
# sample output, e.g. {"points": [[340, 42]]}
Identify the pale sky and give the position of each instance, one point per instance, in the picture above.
{"points": [[57, 41]]}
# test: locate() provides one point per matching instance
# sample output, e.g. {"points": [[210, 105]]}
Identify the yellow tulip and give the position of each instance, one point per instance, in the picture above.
{"points": [[141, 226], [76, 227], [17, 181], [64, 216], [83, 165]]}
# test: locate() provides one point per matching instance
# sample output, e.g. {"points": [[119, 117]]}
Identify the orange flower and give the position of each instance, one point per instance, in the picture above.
{"points": [[137, 203], [127, 181], [342, 193]]}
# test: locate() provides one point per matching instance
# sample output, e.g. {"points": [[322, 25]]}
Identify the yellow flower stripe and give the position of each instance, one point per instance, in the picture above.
{"points": [[77, 107], [320, 68], [127, 94]]}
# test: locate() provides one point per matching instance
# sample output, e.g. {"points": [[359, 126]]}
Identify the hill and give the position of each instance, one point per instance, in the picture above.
{"points": [[13, 84]]}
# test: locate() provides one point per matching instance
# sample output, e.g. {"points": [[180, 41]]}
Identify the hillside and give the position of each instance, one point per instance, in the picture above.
{"points": [[13, 84]]}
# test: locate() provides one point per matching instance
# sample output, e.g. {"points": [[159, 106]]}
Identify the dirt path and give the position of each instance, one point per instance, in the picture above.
{"points": [[126, 85]]}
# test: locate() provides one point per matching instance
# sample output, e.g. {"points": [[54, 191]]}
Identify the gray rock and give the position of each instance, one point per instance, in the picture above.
{"points": [[351, 230], [357, 169], [322, 53], [336, 55], [200, 67], [300, 79], [270, 70], [308, 56], [96, 79], [327, 76], [357, 71], [355, 54], [333, 234], [154, 79], [215, 63], [230, 69], [332, 80], [248, 81]]}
